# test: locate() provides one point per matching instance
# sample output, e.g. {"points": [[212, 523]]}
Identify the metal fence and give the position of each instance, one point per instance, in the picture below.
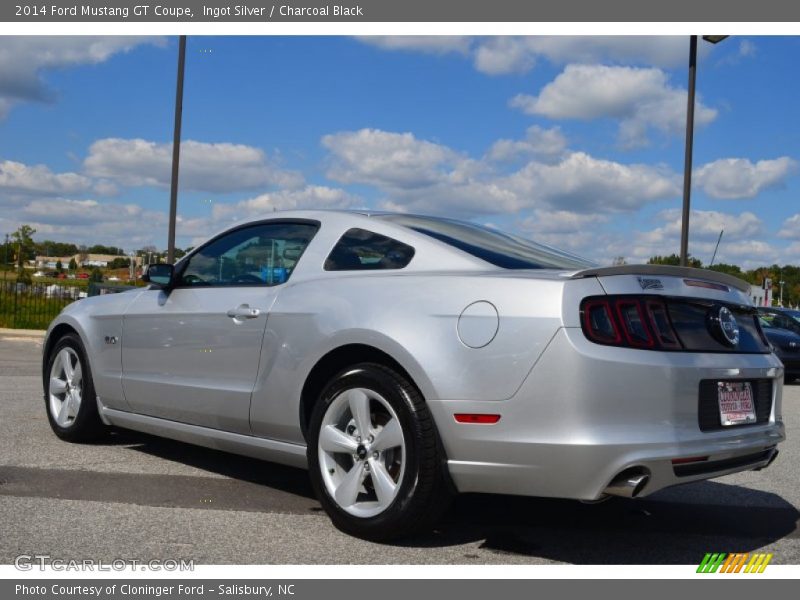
{"points": [[33, 306]]}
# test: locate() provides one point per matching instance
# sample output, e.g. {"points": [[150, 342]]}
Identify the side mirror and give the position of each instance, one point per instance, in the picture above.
{"points": [[159, 275]]}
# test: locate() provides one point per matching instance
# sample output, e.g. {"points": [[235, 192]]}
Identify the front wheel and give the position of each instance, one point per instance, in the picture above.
{"points": [[69, 392], [374, 456]]}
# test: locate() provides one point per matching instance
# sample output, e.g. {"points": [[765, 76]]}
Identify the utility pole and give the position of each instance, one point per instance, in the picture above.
{"points": [[687, 163], [5, 262], [176, 150]]}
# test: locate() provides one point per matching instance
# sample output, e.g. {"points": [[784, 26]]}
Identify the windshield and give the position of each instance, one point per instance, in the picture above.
{"points": [[495, 247]]}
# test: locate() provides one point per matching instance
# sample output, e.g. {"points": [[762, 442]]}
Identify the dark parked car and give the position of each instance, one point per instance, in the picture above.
{"points": [[783, 318], [787, 347]]}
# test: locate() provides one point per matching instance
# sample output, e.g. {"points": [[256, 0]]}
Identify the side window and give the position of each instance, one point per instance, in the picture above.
{"points": [[263, 254], [361, 250], [786, 323]]}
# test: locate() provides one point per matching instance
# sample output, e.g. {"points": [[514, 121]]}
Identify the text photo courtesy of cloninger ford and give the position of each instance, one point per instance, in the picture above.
{"points": [[468, 300]]}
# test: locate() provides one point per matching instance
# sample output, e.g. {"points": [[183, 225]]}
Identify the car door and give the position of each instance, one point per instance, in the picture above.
{"points": [[191, 353]]}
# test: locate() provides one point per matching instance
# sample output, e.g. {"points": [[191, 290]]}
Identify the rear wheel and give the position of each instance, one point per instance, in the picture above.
{"points": [[69, 392], [374, 455]]}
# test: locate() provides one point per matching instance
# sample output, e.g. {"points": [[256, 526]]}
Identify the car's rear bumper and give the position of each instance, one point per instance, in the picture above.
{"points": [[587, 413]]}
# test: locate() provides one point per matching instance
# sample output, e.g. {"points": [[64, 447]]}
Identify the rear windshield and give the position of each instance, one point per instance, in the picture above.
{"points": [[495, 247]]}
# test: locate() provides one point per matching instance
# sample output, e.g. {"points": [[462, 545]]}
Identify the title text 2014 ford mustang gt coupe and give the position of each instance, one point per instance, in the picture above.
{"points": [[401, 358]]}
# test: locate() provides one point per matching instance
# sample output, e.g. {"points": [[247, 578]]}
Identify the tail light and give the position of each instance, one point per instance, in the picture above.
{"points": [[667, 323], [629, 321]]}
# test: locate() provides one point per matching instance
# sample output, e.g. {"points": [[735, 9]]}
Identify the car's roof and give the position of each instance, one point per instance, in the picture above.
{"points": [[783, 309]]}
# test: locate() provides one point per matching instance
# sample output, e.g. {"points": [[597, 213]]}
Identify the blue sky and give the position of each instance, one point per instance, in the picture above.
{"points": [[574, 141]]}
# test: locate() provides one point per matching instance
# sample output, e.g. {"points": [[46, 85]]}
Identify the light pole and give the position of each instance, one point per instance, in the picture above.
{"points": [[687, 159], [5, 262], [176, 151]]}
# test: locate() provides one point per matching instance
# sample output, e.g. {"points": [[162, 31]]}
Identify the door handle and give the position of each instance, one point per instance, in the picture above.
{"points": [[242, 312]]}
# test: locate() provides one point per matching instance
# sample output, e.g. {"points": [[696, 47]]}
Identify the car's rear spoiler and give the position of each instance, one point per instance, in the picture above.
{"points": [[666, 271]]}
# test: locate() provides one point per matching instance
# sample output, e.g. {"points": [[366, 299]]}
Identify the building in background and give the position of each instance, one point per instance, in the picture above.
{"points": [[82, 260], [761, 295]]}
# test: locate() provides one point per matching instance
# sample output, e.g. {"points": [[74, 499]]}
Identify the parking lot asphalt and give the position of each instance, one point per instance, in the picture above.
{"points": [[134, 496]]}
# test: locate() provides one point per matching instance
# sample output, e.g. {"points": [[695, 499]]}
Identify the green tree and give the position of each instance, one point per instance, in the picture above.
{"points": [[100, 249], [24, 243], [119, 263], [96, 275], [72, 264], [51, 248], [674, 260], [726, 268], [24, 276], [59, 266]]}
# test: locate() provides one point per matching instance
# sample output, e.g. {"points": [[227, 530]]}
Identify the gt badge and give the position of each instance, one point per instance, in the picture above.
{"points": [[650, 284]]}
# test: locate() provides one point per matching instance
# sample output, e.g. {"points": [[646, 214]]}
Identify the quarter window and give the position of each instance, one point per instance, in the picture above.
{"points": [[362, 250], [263, 254]]}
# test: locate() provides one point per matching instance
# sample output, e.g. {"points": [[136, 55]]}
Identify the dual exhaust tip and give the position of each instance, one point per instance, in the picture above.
{"points": [[628, 484]]}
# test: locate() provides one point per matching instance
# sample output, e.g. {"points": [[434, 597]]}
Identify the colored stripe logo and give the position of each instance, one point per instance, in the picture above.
{"points": [[737, 562]]}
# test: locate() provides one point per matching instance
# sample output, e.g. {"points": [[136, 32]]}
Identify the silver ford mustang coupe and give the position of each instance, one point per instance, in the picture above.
{"points": [[404, 358]]}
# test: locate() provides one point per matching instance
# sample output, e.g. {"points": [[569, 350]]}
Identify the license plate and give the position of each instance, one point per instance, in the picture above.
{"points": [[736, 404]]}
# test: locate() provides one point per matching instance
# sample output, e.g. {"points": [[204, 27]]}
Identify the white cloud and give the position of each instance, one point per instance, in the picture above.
{"points": [[539, 142], [791, 253], [20, 179], [562, 222], [387, 159], [705, 225], [221, 167], [70, 212], [574, 232], [501, 55], [790, 228], [312, 197], [742, 243], [640, 98], [89, 221], [504, 55], [747, 48], [423, 176], [582, 183], [733, 178], [24, 59], [519, 54]]}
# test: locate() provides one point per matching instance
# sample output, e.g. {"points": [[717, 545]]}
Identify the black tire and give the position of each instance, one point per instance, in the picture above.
{"points": [[86, 426], [425, 490]]}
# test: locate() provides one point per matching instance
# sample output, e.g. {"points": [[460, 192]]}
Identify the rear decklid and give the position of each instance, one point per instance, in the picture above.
{"points": [[665, 279]]}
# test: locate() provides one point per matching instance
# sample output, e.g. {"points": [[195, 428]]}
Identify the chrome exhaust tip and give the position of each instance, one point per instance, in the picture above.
{"points": [[628, 484]]}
